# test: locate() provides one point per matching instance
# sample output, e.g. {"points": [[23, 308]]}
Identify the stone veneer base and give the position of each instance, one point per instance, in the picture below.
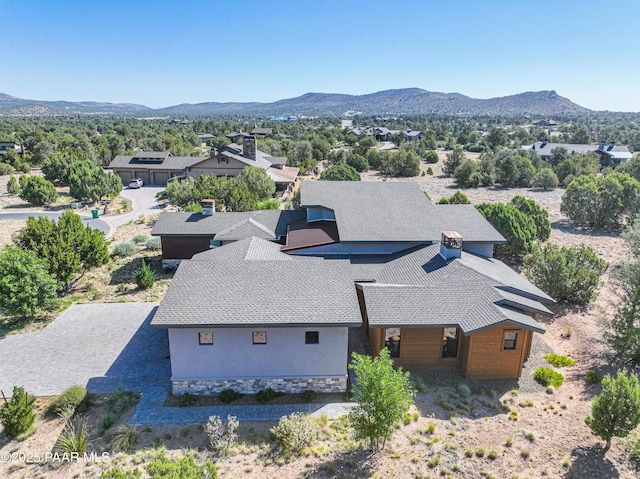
{"points": [[207, 387]]}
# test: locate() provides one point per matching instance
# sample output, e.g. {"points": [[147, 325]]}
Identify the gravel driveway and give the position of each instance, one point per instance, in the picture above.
{"points": [[100, 346]]}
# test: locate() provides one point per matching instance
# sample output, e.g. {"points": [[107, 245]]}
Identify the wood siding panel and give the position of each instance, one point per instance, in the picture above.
{"points": [[487, 359], [421, 348], [376, 340], [183, 247]]}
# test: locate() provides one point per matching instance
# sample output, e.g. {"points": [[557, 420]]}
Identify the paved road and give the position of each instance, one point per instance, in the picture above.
{"points": [[100, 346], [94, 223]]}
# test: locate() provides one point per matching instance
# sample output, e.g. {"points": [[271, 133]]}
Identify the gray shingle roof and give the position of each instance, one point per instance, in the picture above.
{"points": [[231, 225], [393, 211], [420, 288], [174, 163], [545, 149], [251, 248], [260, 293]]}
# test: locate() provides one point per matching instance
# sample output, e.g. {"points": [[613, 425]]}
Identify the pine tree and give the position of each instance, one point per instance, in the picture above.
{"points": [[144, 276], [17, 414]]}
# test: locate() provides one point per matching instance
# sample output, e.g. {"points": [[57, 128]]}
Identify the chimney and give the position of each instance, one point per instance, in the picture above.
{"points": [[601, 145], [611, 145], [450, 244], [249, 146], [208, 207]]}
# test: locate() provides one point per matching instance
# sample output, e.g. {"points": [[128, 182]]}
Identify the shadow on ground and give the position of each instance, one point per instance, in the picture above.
{"points": [[591, 462]]}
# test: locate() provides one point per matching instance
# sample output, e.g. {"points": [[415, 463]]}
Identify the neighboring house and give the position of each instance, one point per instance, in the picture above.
{"points": [[204, 137], [384, 134], [232, 159], [10, 146], [413, 135], [610, 154], [546, 123], [154, 167], [262, 131], [237, 135], [157, 167], [418, 277]]}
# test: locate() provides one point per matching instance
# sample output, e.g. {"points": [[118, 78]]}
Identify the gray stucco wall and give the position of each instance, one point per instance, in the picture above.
{"points": [[234, 356], [481, 249]]}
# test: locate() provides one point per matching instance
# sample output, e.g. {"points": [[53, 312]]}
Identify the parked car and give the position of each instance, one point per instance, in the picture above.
{"points": [[136, 183]]}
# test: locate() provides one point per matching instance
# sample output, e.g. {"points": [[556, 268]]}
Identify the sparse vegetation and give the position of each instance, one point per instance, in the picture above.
{"points": [[558, 360], [548, 377], [294, 433], [66, 403]]}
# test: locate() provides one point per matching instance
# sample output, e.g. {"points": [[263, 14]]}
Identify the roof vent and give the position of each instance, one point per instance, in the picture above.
{"points": [[544, 143], [611, 145], [601, 146], [450, 244], [208, 207]]}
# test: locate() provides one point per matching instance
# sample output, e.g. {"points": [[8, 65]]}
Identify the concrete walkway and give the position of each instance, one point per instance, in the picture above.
{"points": [[150, 411]]}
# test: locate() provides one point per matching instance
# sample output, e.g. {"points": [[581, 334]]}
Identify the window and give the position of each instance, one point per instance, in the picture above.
{"points": [[311, 337], [205, 338], [392, 341], [450, 343], [509, 343], [259, 337]]}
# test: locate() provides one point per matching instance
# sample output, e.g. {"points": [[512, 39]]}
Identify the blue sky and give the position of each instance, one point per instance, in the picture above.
{"points": [[161, 53]]}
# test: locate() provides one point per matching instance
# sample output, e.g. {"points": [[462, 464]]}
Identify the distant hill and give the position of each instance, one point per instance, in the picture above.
{"points": [[407, 101]]}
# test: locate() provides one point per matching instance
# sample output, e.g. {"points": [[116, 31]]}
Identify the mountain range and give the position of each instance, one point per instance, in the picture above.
{"points": [[407, 101]]}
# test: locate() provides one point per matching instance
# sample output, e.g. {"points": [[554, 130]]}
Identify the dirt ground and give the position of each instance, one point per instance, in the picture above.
{"points": [[548, 437]]}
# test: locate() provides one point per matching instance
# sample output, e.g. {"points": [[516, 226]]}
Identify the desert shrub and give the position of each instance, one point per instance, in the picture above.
{"points": [[616, 411], [429, 171], [106, 421], [271, 204], [187, 400], [565, 171], [145, 278], [453, 160], [229, 395], [74, 438], [124, 437], [545, 179], [139, 239], [66, 403], [122, 399], [153, 244], [518, 229], [512, 169], [466, 174], [13, 188], [17, 414], [592, 377], [536, 213], [308, 395], [221, 435], [124, 248], [358, 163], [267, 395], [161, 467], [565, 273], [602, 202], [401, 163], [459, 198], [340, 173], [558, 360], [38, 191], [632, 446], [117, 473], [5, 168], [431, 157], [295, 432], [548, 377]]}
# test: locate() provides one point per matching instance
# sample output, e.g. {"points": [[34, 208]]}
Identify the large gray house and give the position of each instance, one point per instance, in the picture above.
{"points": [[262, 309]]}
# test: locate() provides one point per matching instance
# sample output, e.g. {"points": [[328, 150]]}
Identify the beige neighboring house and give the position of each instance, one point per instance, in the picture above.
{"points": [[158, 167]]}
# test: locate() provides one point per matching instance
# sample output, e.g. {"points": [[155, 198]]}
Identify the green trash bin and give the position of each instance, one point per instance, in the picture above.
{"points": [[94, 213]]}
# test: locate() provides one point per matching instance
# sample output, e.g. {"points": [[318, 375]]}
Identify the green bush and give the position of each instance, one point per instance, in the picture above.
{"points": [[308, 395], [153, 244], [5, 169], [124, 248], [593, 377], [187, 400], [38, 191], [267, 395], [466, 174], [358, 163], [106, 421], [536, 213], [66, 403], [161, 467], [295, 432], [229, 395], [221, 435], [145, 278], [124, 437], [117, 473], [548, 377], [73, 439], [517, 228], [545, 179], [270, 204], [13, 187], [429, 171], [17, 415], [340, 173], [565, 273], [120, 400], [139, 239], [431, 157], [558, 360]]}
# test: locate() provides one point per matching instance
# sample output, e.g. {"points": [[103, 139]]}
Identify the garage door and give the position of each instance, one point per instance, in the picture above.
{"points": [[160, 178], [125, 176], [144, 175]]}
